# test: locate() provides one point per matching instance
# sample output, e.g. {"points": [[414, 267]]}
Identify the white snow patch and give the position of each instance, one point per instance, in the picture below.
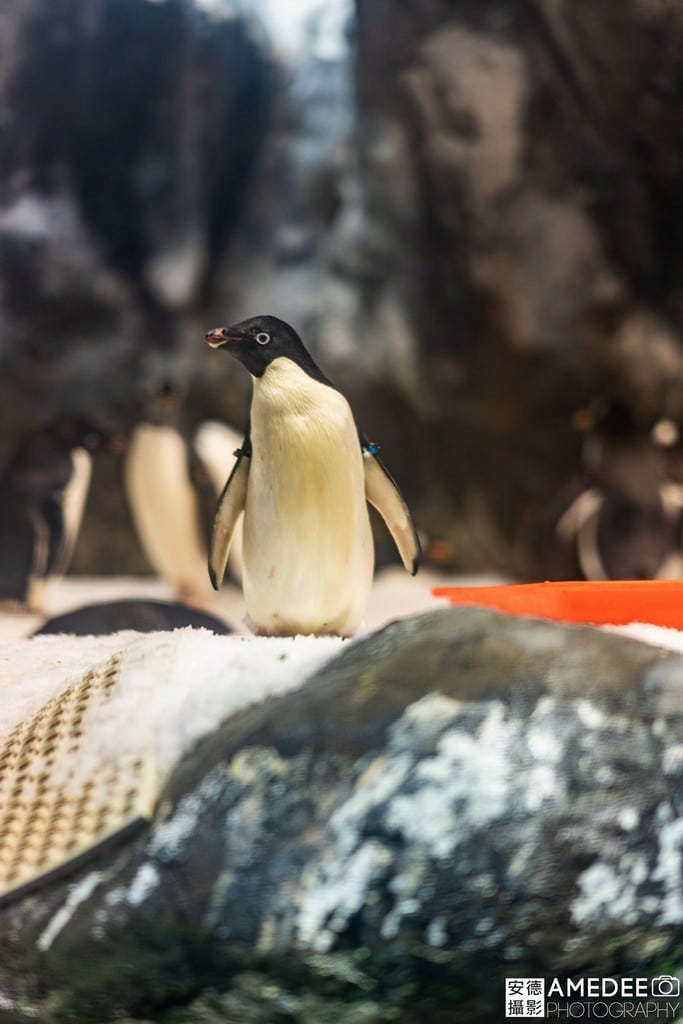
{"points": [[202, 679], [436, 933], [6, 1002], [347, 821], [77, 894], [672, 759], [145, 882], [424, 720], [392, 922], [599, 887], [546, 747], [603, 894], [173, 688], [543, 785], [112, 898], [591, 715], [170, 837], [32, 671], [628, 818], [542, 741], [469, 774], [658, 636], [338, 887], [608, 893], [334, 895], [405, 886], [669, 869]]}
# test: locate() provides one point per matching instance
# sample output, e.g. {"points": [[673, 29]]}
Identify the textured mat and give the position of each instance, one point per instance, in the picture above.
{"points": [[51, 813]]}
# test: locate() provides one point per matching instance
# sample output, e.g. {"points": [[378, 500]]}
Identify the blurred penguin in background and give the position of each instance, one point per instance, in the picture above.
{"points": [[43, 492], [171, 495], [626, 524]]}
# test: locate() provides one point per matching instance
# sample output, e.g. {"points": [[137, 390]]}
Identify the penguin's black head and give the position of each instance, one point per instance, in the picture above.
{"points": [[72, 430], [261, 339]]}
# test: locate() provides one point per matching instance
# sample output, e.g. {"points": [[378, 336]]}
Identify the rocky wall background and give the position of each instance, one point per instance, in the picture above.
{"points": [[471, 211]]}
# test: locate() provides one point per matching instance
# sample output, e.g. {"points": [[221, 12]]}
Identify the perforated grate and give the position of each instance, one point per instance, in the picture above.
{"points": [[51, 814]]}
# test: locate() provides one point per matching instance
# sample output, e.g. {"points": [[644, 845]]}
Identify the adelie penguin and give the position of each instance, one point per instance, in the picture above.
{"points": [[170, 495], [626, 524], [303, 477], [42, 496]]}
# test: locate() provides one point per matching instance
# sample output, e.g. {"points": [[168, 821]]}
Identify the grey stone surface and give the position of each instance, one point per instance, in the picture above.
{"points": [[457, 797]]}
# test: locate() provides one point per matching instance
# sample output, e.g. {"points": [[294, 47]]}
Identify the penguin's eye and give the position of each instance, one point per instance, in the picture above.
{"points": [[263, 338]]}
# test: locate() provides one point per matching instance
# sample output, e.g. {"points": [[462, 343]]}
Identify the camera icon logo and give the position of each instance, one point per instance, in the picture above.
{"points": [[666, 985]]}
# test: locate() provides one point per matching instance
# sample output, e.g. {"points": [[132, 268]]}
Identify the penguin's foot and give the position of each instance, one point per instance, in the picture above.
{"points": [[13, 606], [36, 595], [283, 628], [191, 596]]}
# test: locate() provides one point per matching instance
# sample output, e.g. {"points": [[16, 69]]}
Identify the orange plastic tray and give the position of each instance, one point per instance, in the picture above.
{"points": [[613, 602]]}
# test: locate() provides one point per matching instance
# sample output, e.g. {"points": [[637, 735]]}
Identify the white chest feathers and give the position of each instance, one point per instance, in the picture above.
{"points": [[308, 552]]}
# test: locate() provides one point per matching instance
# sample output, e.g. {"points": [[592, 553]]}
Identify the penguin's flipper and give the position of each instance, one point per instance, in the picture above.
{"points": [[381, 491], [230, 506], [50, 539]]}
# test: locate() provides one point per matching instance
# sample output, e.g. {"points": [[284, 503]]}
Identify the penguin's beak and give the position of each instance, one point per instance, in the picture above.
{"points": [[217, 337]]}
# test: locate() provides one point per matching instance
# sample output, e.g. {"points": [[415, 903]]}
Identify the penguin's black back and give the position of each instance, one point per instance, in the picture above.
{"points": [[143, 616]]}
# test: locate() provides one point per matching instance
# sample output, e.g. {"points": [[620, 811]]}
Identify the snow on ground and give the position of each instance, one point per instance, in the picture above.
{"points": [[659, 636], [175, 687], [31, 672], [172, 689]]}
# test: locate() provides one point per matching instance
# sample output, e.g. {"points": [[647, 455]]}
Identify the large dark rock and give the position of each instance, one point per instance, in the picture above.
{"points": [[457, 798]]}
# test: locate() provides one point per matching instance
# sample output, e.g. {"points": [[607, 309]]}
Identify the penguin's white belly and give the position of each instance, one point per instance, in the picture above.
{"points": [[308, 550], [165, 507]]}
